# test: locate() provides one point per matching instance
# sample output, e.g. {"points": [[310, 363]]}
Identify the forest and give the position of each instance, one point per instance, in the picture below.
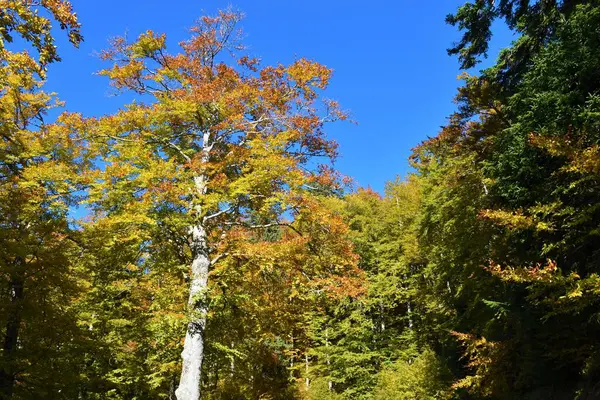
{"points": [[200, 244]]}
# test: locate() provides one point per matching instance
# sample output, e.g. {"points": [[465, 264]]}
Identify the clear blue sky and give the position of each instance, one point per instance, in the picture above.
{"points": [[391, 70]]}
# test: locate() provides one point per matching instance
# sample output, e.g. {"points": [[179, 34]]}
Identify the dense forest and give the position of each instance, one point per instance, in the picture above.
{"points": [[198, 243]]}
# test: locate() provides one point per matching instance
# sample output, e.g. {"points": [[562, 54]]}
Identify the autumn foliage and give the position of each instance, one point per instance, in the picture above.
{"points": [[199, 243]]}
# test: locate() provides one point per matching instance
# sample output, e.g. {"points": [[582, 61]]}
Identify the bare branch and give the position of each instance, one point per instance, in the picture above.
{"points": [[264, 226], [215, 215], [217, 258], [178, 149]]}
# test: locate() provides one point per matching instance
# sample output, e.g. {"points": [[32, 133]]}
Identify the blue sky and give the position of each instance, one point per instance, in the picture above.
{"points": [[391, 70]]}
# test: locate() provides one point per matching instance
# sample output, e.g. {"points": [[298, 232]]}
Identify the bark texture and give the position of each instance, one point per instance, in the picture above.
{"points": [[193, 347]]}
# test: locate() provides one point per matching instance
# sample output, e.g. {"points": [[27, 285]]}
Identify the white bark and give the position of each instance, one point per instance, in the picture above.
{"points": [[329, 383], [382, 312], [193, 347], [306, 369], [232, 363]]}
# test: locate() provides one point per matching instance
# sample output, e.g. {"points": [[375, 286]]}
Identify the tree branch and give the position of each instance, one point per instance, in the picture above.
{"points": [[215, 215], [264, 226], [217, 258]]}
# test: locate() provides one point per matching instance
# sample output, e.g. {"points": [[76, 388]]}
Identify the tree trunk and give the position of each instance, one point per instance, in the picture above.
{"points": [[329, 383], [307, 380], [292, 358], [193, 347], [172, 388], [8, 367], [232, 363]]}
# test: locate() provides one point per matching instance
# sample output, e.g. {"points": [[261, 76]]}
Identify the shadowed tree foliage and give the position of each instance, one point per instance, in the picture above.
{"points": [[40, 173]]}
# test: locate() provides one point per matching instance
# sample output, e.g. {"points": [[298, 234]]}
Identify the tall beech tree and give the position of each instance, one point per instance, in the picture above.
{"points": [[218, 154]]}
